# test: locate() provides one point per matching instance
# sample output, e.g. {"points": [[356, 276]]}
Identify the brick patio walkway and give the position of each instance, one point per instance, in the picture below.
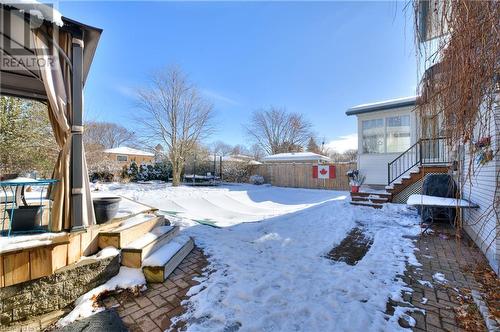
{"points": [[440, 252], [153, 309]]}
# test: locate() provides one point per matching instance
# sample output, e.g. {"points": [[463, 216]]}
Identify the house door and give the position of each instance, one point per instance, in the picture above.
{"points": [[432, 146]]}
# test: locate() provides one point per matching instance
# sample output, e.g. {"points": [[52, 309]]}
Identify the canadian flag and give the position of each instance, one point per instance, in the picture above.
{"points": [[324, 172]]}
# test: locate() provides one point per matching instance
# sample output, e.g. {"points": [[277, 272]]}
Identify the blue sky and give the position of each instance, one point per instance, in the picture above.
{"points": [[315, 58]]}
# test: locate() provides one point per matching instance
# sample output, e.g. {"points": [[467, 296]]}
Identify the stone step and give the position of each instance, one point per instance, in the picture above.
{"points": [[129, 230], [159, 265], [136, 251]]}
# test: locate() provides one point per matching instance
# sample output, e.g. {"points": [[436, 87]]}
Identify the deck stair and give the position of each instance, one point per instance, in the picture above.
{"points": [[370, 199], [135, 252], [158, 266], [413, 176], [129, 230], [147, 241]]}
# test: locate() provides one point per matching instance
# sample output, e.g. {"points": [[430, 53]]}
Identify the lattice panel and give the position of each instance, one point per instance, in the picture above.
{"points": [[415, 188]]}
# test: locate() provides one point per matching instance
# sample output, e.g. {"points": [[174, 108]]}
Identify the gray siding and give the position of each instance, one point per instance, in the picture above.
{"points": [[482, 224]]}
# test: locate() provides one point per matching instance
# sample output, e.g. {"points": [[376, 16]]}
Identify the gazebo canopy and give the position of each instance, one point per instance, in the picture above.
{"points": [[46, 56], [23, 81]]}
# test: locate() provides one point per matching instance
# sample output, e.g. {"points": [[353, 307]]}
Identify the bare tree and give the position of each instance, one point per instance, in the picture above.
{"points": [[174, 113], [276, 131], [346, 156], [256, 152], [240, 149], [107, 134], [221, 148]]}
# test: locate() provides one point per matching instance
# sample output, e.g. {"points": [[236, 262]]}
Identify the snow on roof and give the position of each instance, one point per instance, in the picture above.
{"points": [[296, 156], [382, 105], [130, 151], [43, 11], [237, 158]]}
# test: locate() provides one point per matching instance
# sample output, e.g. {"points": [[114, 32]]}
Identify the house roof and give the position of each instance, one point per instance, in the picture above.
{"points": [[26, 82], [296, 156], [129, 151], [237, 158], [382, 105]]}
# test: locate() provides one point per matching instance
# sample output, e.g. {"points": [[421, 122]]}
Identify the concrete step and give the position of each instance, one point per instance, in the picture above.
{"points": [[160, 264], [136, 251], [368, 204], [373, 199], [129, 230], [371, 194]]}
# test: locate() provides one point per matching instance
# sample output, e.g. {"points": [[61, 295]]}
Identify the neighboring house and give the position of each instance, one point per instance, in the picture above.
{"points": [[125, 155], [240, 158], [296, 157]]}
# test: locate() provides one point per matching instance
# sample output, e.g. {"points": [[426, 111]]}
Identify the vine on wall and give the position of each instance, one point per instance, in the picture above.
{"points": [[459, 43]]}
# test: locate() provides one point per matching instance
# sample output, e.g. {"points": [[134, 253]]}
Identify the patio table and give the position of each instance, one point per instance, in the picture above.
{"points": [[13, 193]]}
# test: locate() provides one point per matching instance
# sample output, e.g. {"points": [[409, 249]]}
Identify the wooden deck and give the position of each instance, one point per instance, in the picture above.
{"points": [[28, 257]]}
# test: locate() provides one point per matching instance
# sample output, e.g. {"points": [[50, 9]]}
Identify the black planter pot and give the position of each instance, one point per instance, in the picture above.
{"points": [[26, 218], [105, 208]]}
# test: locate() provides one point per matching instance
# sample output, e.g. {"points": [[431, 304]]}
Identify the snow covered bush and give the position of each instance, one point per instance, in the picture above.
{"points": [[235, 171], [257, 179], [134, 172], [102, 176]]}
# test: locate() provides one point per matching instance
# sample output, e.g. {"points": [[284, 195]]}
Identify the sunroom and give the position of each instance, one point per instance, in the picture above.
{"points": [[385, 130]]}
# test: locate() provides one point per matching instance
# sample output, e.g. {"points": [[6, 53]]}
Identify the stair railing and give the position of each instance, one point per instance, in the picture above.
{"points": [[426, 151]]}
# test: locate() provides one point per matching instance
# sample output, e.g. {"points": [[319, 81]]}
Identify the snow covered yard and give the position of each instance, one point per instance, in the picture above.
{"points": [[272, 275]]}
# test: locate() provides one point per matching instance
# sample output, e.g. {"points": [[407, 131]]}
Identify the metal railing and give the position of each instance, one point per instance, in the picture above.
{"points": [[426, 151]]}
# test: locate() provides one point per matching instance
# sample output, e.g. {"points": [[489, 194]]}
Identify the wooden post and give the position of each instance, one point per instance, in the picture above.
{"points": [[76, 136]]}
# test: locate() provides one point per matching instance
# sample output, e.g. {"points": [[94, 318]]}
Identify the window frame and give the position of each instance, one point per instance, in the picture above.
{"points": [[384, 116], [121, 155]]}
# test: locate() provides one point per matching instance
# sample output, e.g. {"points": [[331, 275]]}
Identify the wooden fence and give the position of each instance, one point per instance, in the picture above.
{"points": [[300, 175]]}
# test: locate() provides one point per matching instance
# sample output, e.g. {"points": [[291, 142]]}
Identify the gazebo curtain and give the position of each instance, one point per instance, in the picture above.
{"points": [[57, 82]]}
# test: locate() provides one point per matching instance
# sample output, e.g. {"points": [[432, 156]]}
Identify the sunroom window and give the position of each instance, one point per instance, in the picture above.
{"points": [[386, 135], [397, 133], [373, 136]]}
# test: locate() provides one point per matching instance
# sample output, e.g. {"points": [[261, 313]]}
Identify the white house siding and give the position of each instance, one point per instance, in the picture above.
{"points": [[374, 165], [482, 224]]}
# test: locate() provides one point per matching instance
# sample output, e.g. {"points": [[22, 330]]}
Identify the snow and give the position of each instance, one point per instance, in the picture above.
{"points": [[149, 237], [129, 151], [425, 283], [225, 205], [273, 274], [126, 207], [104, 253], [439, 277], [28, 241], [21, 180], [134, 221], [85, 304], [296, 156], [42, 11], [426, 200], [165, 253], [383, 103]]}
